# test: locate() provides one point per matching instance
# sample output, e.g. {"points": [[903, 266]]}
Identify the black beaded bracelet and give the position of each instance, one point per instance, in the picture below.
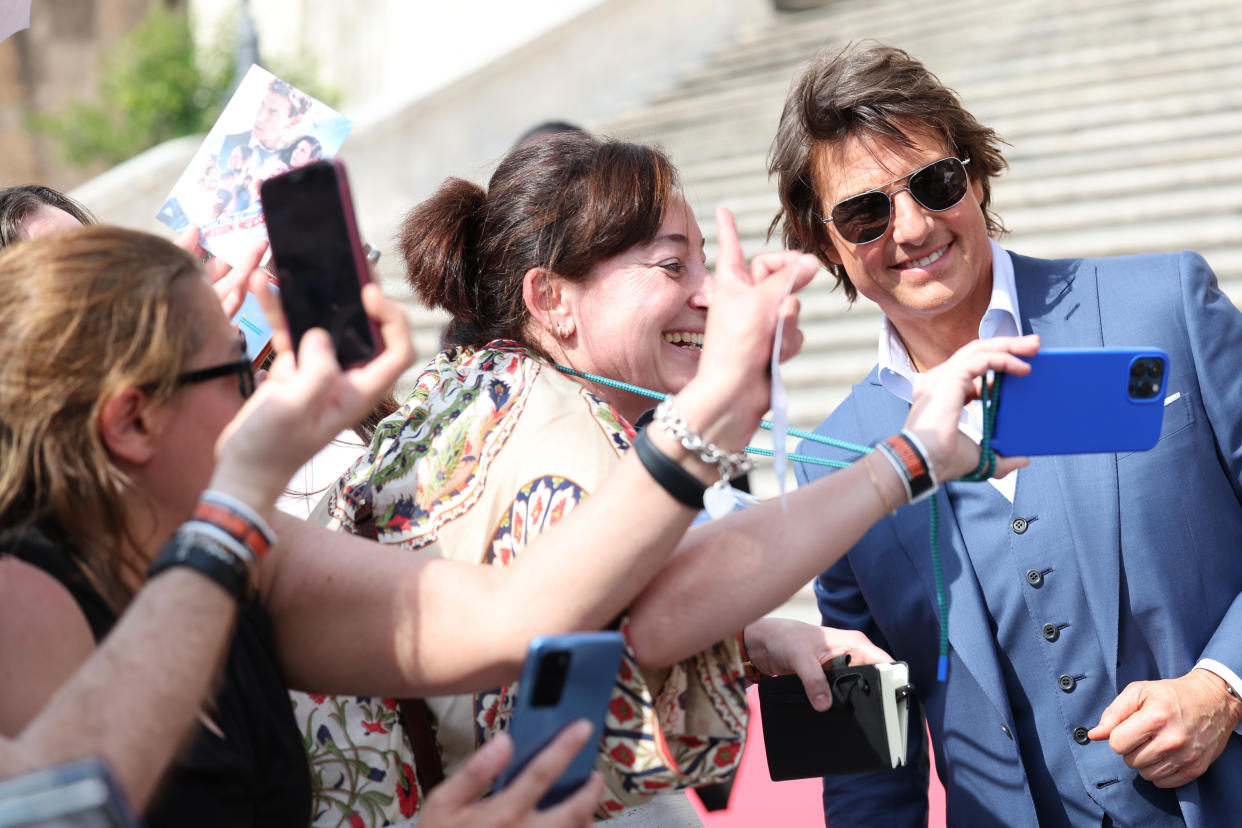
{"points": [[208, 557], [683, 486]]}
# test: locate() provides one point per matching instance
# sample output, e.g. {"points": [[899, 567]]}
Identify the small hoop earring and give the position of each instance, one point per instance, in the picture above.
{"points": [[559, 333]]}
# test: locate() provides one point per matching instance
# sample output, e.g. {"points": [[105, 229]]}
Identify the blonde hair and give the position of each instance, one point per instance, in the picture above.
{"points": [[85, 314]]}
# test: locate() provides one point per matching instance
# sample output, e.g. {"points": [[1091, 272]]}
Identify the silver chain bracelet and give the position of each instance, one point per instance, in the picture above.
{"points": [[729, 464]]}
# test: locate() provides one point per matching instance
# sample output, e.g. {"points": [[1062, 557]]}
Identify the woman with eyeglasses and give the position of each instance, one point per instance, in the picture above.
{"points": [[120, 382]]}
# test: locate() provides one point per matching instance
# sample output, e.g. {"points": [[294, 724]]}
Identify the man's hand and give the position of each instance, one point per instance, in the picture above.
{"points": [[779, 646], [455, 802], [1171, 730]]}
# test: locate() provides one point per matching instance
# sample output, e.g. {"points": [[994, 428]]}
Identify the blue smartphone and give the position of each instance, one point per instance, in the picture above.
{"points": [[1083, 400], [78, 794], [564, 678]]}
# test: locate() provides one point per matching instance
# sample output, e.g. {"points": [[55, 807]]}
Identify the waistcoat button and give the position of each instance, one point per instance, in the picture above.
{"points": [[1066, 683], [1019, 525], [1051, 632], [1034, 577], [1080, 736]]}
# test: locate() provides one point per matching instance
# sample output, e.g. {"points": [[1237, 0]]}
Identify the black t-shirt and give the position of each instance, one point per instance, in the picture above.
{"points": [[257, 775]]}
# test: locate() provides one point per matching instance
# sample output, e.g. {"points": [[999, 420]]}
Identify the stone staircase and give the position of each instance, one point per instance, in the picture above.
{"points": [[1124, 119]]}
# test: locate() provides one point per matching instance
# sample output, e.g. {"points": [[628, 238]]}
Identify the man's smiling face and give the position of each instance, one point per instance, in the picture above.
{"points": [[927, 265]]}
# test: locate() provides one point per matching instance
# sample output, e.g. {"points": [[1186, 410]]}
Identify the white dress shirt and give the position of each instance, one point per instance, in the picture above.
{"points": [[897, 373]]}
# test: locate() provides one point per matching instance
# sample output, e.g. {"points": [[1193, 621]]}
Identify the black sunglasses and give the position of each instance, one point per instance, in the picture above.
{"points": [[865, 217], [241, 368]]}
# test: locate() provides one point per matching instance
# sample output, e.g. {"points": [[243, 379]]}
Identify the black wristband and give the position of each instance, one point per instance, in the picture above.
{"points": [[908, 457], [683, 486], [207, 557]]}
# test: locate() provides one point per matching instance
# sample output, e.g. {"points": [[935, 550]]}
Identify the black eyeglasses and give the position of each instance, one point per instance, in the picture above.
{"points": [[865, 217], [241, 368]]}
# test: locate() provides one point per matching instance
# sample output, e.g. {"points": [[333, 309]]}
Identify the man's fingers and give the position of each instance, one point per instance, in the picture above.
{"points": [[1118, 711], [1005, 465], [729, 257], [864, 652], [811, 672]]}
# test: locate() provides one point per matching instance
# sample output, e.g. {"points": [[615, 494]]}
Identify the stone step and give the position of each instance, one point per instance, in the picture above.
{"points": [[1178, 80], [1015, 40]]}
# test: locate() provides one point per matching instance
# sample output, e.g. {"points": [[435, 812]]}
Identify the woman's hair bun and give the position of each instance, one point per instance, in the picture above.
{"points": [[438, 240]]}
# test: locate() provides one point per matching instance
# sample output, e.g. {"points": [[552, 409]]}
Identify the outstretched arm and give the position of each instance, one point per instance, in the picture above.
{"points": [[139, 693], [729, 572], [435, 626]]}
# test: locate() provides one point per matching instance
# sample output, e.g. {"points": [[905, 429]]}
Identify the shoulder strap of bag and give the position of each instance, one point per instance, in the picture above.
{"points": [[415, 715]]}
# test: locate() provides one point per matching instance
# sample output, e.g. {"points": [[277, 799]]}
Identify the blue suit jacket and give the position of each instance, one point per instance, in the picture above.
{"points": [[1157, 537]]}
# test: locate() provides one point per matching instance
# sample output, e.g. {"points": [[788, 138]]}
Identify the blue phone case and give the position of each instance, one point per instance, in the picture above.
{"points": [[589, 664], [1083, 400]]}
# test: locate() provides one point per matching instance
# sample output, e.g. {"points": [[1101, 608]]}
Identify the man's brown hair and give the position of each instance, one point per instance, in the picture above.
{"points": [[868, 90]]}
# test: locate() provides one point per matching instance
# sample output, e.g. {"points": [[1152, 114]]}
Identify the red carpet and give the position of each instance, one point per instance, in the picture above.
{"points": [[758, 802]]}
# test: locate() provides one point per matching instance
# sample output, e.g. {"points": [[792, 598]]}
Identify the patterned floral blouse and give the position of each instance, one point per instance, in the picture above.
{"points": [[493, 446]]}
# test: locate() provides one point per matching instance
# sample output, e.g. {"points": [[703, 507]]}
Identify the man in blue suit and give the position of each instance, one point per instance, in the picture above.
{"points": [[1095, 623]]}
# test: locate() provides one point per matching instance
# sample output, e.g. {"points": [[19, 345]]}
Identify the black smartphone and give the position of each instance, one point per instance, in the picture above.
{"points": [[319, 259], [564, 678], [78, 794], [1083, 400]]}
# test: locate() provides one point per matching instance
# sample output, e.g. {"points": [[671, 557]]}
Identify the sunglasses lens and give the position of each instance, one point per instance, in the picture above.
{"points": [[862, 218], [940, 185]]}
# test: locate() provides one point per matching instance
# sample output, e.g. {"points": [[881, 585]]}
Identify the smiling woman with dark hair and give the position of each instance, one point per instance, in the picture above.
{"points": [[579, 269]]}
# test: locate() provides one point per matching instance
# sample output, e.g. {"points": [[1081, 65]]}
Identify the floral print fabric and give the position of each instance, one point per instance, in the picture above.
{"points": [[492, 447]]}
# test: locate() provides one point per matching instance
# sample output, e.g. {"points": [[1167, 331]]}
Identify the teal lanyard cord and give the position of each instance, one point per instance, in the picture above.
{"points": [[766, 424], [985, 469]]}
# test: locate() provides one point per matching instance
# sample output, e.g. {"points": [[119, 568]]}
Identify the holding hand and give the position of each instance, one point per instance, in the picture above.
{"points": [[455, 803], [303, 404], [1171, 730], [779, 646], [940, 394]]}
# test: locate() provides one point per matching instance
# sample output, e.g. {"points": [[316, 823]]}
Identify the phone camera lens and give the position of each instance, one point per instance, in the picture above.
{"points": [[1155, 369], [1137, 370]]}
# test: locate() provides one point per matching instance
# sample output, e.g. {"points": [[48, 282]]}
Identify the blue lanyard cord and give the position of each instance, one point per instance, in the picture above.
{"points": [[985, 469]]}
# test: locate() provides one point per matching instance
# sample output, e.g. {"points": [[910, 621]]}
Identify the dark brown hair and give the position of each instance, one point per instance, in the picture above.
{"points": [[85, 314], [866, 89], [565, 203], [17, 203]]}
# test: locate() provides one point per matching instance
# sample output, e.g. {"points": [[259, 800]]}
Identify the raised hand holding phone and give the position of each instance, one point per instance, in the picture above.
{"points": [[320, 262]]}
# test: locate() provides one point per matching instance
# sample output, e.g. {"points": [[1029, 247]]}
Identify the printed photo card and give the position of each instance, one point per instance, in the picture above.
{"points": [[267, 127]]}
